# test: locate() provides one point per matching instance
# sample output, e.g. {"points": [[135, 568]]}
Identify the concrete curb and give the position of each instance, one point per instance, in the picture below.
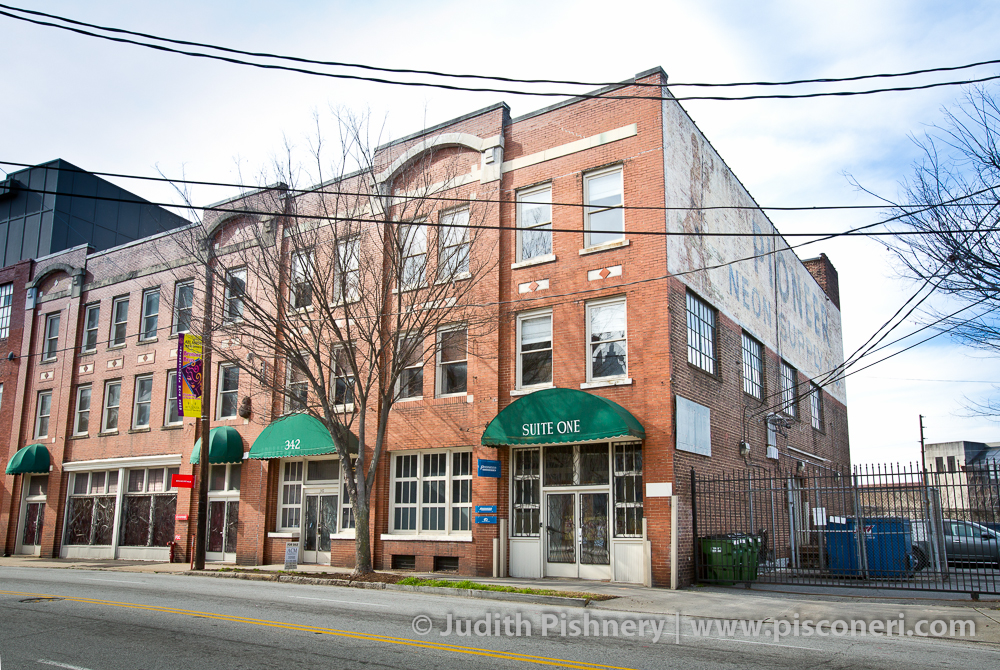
{"points": [[535, 599]]}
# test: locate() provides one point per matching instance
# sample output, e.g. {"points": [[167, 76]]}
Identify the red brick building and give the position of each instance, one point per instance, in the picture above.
{"points": [[649, 321]]}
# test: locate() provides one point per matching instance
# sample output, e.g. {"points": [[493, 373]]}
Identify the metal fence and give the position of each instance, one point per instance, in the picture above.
{"points": [[892, 526]]}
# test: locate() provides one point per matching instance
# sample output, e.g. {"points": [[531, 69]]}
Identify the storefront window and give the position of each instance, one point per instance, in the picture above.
{"points": [[91, 510], [291, 495], [433, 475], [148, 508]]}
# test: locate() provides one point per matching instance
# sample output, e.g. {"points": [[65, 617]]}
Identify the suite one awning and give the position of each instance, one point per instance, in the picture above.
{"points": [[297, 435], [32, 460], [225, 445], [560, 416]]}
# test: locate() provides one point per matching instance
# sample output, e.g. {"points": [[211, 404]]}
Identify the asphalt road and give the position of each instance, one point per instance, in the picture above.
{"points": [[95, 620]]}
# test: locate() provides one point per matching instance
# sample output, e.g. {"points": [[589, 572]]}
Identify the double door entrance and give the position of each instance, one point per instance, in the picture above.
{"points": [[223, 520], [320, 521], [577, 534]]}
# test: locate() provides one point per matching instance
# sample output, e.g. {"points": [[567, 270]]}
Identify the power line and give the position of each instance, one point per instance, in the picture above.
{"points": [[451, 87]]}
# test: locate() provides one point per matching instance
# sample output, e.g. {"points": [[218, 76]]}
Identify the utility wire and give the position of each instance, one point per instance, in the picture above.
{"points": [[451, 87]]}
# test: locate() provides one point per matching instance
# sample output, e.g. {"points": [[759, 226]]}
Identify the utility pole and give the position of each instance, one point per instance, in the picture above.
{"points": [[923, 456], [206, 414]]}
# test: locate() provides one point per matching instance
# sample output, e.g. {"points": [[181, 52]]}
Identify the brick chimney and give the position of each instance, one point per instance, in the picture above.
{"points": [[826, 276]]}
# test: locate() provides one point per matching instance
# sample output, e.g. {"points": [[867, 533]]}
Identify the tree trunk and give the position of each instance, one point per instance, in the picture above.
{"points": [[362, 541]]}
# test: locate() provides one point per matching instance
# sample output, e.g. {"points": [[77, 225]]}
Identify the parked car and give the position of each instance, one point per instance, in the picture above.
{"points": [[969, 542]]}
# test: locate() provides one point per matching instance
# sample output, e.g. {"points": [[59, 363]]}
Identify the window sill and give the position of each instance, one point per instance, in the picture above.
{"points": [[79, 436], [114, 347], [417, 537], [302, 310], [152, 340], [49, 360], [174, 426], [287, 536], [526, 391], [617, 244], [343, 536], [88, 352], [413, 399], [809, 455], [461, 276], [537, 260], [452, 395], [342, 409], [138, 430], [108, 433], [602, 383]]}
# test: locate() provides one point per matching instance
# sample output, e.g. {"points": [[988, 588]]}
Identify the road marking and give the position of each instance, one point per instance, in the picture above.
{"points": [[62, 665], [353, 602], [369, 637], [116, 581]]}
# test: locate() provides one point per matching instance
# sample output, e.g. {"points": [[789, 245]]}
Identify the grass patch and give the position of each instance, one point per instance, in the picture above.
{"points": [[477, 586]]}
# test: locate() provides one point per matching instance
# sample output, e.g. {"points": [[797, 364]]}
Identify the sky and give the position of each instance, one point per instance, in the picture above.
{"points": [[119, 108]]}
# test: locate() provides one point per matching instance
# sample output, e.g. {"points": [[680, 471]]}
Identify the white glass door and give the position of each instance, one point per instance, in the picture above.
{"points": [[577, 535], [319, 521]]}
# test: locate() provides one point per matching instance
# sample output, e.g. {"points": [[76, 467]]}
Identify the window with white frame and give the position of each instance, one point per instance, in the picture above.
{"points": [[605, 221], [453, 238], [112, 400], [297, 383], [607, 337], [149, 323], [236, 288], [90, 514], [534, 349], [816, 406], [628, 489], [303, 267], [81, 420], [91, 321], [789, 396], [753, 367], [171, 414], [452, 360], [347, 271], [119, 321], [224, 477], [43, 410], [534, 223], [142, 400], [149, 506], [346, 510], [342, 378], [51, 348], [6, 297], [432, 492], [411, 378], [701, 334], [229, 387], [527, 495], [413, 245], [183, 307], [290, 502]]}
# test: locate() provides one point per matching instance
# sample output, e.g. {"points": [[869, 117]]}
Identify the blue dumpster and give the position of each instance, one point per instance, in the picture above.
{"points": [[888, 541]]}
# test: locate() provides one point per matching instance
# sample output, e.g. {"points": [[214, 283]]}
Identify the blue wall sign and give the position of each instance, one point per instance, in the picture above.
{"points": [[486, 519], [486, 509], [489, 468]]}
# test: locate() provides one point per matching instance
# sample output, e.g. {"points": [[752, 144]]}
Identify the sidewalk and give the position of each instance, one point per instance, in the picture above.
{"points": [[762, 602]]}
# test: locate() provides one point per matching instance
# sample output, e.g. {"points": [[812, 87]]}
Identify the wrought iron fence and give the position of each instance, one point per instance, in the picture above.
{"points": [[891, 526]]}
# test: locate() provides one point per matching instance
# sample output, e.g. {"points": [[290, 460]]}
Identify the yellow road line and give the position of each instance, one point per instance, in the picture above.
{"points": [[370, 637]]}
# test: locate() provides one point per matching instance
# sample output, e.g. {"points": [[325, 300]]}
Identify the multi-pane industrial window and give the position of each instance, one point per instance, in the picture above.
{"points": [[701, 333], [433, 492], [411, 378], [302, 279], [534, 350], [816, 406], [183, 306], [534, 223], [51, 348], [171, 415], [150, 314], [413, 244], [112, 399], [452, 363], [148, 508], [753, 367], [453, 258], [298, 387], [236, 288], [91, 321], [789, 404], [607, 337], [604, 218], [43, 410], [142, 401], [119, 321], [527, 493], [290, 507], [90, 516], [347, 271], [343, 378], [81, 421], [229, 386], [6, 297], [628, 490]]}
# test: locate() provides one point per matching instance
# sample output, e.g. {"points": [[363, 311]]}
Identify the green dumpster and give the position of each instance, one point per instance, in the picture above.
{"points": [[751, 558], [721, 558]]}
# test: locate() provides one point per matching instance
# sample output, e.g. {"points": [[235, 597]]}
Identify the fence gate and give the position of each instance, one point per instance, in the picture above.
{"points": [[895, 527]]}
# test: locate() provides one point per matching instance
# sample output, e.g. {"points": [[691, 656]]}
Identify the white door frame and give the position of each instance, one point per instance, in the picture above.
{"points": [[19, 547]]}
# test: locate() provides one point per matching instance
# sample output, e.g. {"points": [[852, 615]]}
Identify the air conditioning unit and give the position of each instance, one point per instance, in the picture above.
{"points": [[772, 452]]}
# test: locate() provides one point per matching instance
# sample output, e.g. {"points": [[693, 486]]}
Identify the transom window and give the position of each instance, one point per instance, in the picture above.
{"points": [[150, 314], [576, 465], [91, 321], [183, 306], [119, 321], [454, 242], [753, 367], [432, 492], [534, 223], [607, 335], [700, 334], [605, 221], [789, 399], [225, 477], [452, 361], [534, 350]]}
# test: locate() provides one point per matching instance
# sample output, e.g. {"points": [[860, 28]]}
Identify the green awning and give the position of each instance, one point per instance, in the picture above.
{"points": [[225, 445], [297, 435], [32, 460], [560, 416]]}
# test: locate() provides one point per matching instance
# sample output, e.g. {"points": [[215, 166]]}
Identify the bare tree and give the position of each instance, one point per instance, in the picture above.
{"points": [[333, 297], [950, 221]]}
